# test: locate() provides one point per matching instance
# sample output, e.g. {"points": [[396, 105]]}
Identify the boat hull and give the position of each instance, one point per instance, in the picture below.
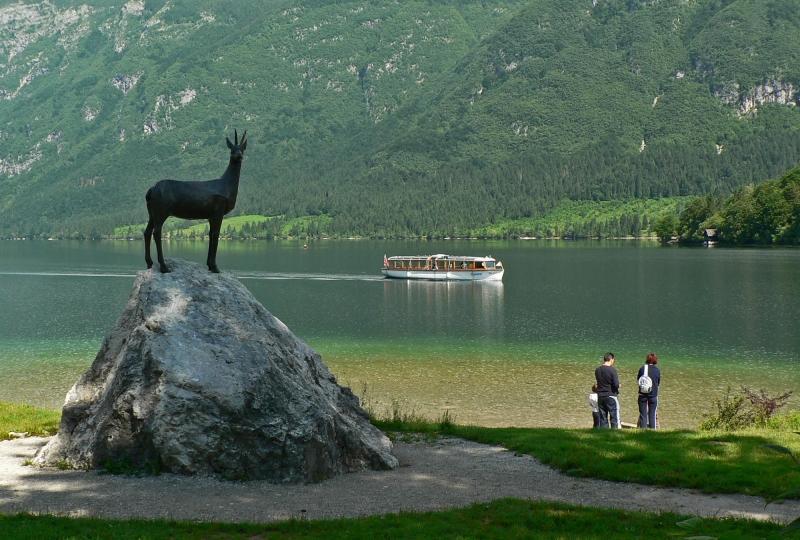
{"points": [[443, 275]]}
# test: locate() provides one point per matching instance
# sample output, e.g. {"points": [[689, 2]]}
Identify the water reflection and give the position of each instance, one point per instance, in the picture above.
{"points": [[444, 306]]}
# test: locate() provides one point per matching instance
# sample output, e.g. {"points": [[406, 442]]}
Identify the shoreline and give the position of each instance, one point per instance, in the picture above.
{"points": [[167, 237], [307, 241]]}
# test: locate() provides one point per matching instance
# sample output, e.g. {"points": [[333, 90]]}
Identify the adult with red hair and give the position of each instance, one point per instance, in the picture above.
{"points": [[649, 379]]}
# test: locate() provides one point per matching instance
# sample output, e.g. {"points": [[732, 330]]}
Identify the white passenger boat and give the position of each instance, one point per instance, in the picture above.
{"points": [[443, 267]]}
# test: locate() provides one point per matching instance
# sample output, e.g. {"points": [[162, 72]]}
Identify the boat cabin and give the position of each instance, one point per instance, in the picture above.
{"points": [[440, 262], [443, 267]]}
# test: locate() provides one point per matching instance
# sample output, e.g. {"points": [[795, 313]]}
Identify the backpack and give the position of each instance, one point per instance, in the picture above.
{"points": [[645, 382]]}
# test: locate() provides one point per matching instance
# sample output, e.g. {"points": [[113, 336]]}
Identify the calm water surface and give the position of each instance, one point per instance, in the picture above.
{"points": [[521, 352]]}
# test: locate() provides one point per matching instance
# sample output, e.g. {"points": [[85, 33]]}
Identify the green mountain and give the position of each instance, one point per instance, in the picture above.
{"points": [[390, 118]]}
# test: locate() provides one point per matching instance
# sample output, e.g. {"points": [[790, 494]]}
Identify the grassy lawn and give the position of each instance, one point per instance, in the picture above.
{"points": [[26, 419], [289, 227], [188, 228], [508, 518], [586, 218], [229, 224], [714, 462], [300, 226]]}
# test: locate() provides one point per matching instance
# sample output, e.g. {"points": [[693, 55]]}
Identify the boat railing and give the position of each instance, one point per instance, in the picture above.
{"points": [[468, 268]]}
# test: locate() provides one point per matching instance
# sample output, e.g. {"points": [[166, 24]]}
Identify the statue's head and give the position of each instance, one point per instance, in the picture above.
{"points": [[237, 147]]}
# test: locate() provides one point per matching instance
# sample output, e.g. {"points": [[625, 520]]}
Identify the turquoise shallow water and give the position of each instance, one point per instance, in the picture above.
{"points": [[517, 353]]}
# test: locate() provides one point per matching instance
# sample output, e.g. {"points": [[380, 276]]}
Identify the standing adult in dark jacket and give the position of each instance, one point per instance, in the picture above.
{"points": [[648, 401], [608, 393]]}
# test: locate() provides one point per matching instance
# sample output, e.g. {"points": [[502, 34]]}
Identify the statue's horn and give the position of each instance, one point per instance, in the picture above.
{"points": [[235, 137], [244, 136]]}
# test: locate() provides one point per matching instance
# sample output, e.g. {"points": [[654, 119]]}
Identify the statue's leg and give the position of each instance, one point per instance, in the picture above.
{"points": [[148, 233], [160, 252], [215, 224]]}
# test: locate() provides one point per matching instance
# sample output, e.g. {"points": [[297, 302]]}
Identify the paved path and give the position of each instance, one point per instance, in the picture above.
{"points": [[446, 473]]}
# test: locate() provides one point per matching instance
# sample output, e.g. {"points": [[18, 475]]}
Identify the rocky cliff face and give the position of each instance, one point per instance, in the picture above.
{"points": [[772, 91], [197, 377]]}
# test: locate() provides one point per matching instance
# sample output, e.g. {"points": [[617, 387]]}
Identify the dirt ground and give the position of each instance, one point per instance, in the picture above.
{"points": [[433, 475]]}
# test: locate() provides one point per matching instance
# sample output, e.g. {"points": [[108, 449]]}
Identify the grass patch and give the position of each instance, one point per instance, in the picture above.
{"points": [[785, 422], [507, 518], [242, 226], [305, 226], [714, 462], [191, 228], [229, 224], [26, 419], [589, 219], [126, 467]]}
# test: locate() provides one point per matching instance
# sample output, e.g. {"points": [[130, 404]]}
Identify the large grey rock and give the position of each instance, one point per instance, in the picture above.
{"points": [[197, 377]]}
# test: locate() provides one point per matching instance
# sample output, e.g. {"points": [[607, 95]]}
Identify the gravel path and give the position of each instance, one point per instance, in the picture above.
{"points": [[446, 473]]}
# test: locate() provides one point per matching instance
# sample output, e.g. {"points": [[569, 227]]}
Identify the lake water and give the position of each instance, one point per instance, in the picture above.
{"points": [[521, 352]]}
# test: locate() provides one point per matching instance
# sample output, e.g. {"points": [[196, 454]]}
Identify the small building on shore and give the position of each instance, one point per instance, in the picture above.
{"points": [[710, 237]]}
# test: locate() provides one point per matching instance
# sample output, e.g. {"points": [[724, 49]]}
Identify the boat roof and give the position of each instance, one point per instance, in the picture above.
{"points": [[440, 256]]}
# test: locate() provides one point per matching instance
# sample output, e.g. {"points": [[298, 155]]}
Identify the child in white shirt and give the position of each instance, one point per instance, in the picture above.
{"points": [[592, 398]]}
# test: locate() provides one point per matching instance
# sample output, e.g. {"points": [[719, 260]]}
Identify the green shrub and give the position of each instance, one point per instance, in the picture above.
{"points": [[747, 409], [785, 422]]}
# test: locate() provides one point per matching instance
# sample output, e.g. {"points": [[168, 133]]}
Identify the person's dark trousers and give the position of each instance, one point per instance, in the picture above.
{"points": [[648, 405], [609, 412], [595, 419], [601, 416]]}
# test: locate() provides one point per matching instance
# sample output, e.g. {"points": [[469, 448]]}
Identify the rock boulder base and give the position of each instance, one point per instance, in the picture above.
{"points": [[197, 377]]}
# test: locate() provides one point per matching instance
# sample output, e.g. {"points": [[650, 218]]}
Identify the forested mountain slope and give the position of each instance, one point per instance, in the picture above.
{"points": [[397, 118]]}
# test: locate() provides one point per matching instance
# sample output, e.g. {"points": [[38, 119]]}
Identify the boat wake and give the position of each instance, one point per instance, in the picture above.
{"points": [[67, 274], [311, 277]]}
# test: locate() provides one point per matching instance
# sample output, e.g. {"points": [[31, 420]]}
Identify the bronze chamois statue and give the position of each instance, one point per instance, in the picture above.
{"points": [[209, 200]]}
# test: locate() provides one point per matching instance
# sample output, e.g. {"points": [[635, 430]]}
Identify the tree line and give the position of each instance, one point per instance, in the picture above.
{"points": [[768, 213]]}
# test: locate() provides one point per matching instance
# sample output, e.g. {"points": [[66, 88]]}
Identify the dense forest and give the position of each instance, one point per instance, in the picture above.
{"points": [[763, 213], [768, 213], [471, 118]]}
